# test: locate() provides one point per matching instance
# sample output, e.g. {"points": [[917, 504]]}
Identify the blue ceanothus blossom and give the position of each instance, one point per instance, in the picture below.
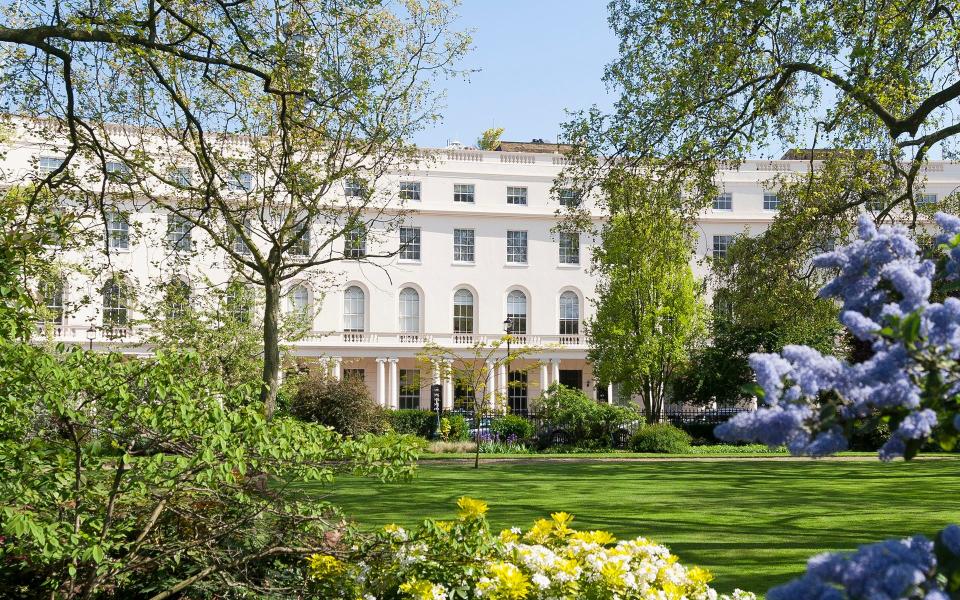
{"points": [[891, 570], [911, 380]]}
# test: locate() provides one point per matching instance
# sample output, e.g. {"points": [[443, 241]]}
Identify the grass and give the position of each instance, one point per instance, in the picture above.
{"points": [[752, 523]]}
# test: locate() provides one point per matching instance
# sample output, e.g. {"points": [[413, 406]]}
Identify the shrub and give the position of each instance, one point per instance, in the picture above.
{"points": [[459, 429], [512, 427], [586, 422], [345, 405], [464, 559], [661, 438], [413, 422], [452, 447]]}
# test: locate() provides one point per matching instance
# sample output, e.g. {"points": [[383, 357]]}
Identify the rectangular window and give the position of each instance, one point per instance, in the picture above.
{"points": [[117, 171], [770, 201], [118, 231], [723, 202], [516, 195], [48, 164], [517, 392], [569, 197], [410, 190], [409, 389], [720, 245], [179, 233], [354, 374], [463, 192], [569, 248], [241, 182], [517, 247], [409, 243], [353, 188], [463, 242], [301, 247], [181, 176], [927, 199], [239, 246], [355, 242]]}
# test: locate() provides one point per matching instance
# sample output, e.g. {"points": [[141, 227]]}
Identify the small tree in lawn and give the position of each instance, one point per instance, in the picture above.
{"points": [[648, 313], [472, 369]]}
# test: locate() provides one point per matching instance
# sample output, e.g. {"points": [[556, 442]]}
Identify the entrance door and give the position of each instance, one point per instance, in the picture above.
{"points": [[572, 378]]}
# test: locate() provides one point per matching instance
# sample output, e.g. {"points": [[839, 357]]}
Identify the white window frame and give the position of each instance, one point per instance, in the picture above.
{"points": [[352, 188], [569, 246], [118, 231], [179, 233], [771, 201], [514, 307], [723, 202], [517, 252], [461, 251], [355, 242], [354, 309], [465, 192], [517, 195], [409, 310], [568, 197], [569, 309], [409, 244], [410, 190], [464, 313], [721, 243]]}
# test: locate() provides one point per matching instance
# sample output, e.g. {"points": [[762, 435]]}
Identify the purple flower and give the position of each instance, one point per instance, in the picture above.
{"points": [[950, 537], [956, 422]]}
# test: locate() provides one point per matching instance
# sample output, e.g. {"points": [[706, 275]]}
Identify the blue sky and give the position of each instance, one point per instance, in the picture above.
{"points": [[535, 58]]}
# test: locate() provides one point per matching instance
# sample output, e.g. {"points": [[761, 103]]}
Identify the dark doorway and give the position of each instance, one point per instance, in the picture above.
{"points": [[572, 378], [517, 392]]}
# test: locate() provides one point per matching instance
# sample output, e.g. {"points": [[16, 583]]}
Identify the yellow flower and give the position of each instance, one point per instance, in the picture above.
{"points": [[540, 531], [421, 589], [594, 537], [444, 526], [508, 582], [699, 576], [323, 566], [471, 508], [507, 536], [613, 573], [561, 523]]}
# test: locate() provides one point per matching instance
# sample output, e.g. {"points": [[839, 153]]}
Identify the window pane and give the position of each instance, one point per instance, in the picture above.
{"points": [[517, 392], [354, 374], [353, 188], [516, 246], [463, 241], [463, 312], [517, 311], [240, 182], [179, 233], [178, 299], [301, 247], [239, 246], [354, 310], [299, 299], [723, 202], [516, 195], [463, 192], [720, 245], [569, 313], [237, 303], [118, 231], [114, 304], [409, 311], [51, 295], [409, 389], [355, 242], [410, 243], [569, 248], [410, 190], [771, 201], [48, 164], [569, 197]]}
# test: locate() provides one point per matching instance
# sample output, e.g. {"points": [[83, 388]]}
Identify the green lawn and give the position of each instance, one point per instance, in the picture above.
{"points": [[753, 523]]}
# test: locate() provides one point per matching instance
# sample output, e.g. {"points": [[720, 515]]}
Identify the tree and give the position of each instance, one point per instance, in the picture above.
{"points": [[473, 371], [265, 127], [648, 313], [490, 138]]}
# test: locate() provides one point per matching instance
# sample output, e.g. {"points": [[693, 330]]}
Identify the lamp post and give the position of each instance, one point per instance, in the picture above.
{"points": [[508, 328], [91, 335]]}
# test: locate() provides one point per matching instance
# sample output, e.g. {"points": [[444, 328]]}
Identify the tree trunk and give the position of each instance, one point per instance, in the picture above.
{"points": [[271, 348]]}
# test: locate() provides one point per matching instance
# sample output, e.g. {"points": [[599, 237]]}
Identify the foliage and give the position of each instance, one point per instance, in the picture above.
{"points": [[490, 138], [588, 423], [648, 315], [144, 478], [661, 438], [911, 568], [413, 421], [506, 426], [245, 120], [910, 381], [459, 428], [464, 559], [344, 404]]}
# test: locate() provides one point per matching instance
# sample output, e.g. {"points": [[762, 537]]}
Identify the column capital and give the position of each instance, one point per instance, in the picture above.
{"points": [[380, 359], [393, 359]]}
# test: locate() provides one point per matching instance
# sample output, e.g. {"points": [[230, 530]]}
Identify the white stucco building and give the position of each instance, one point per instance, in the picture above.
{"points": [[479, 251]]}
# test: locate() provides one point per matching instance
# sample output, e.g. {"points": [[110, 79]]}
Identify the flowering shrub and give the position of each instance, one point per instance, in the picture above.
{"points": [[912, 380], [496, 443], [463, 559]]}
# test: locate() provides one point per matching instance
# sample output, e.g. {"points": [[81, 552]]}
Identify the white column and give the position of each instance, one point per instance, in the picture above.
{"points": [[381, 383], [555, 364], [491, 386], [544, 384], [394, 383], [448, 386], [609, 393], [337, 361], [502, 389]]}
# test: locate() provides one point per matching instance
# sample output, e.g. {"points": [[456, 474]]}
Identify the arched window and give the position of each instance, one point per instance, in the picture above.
{"points": [[114, 304], [299, 299], [569, 313], [463, 311], [409, 311], [237, 303], [517, 311], [177, 299], [51, 295], [354, 309]]}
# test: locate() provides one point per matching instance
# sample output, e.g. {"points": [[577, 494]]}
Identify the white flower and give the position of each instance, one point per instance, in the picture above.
{"points": [[541, 581]]}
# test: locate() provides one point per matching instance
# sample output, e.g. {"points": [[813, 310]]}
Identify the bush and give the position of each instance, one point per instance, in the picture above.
{"points": [[459, 428], [413, 422], [512, 427], [345, 405], [587, 423], [661, 438]]}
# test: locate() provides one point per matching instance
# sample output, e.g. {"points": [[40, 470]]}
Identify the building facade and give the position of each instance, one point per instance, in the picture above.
{"points": [[479, 251]]}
